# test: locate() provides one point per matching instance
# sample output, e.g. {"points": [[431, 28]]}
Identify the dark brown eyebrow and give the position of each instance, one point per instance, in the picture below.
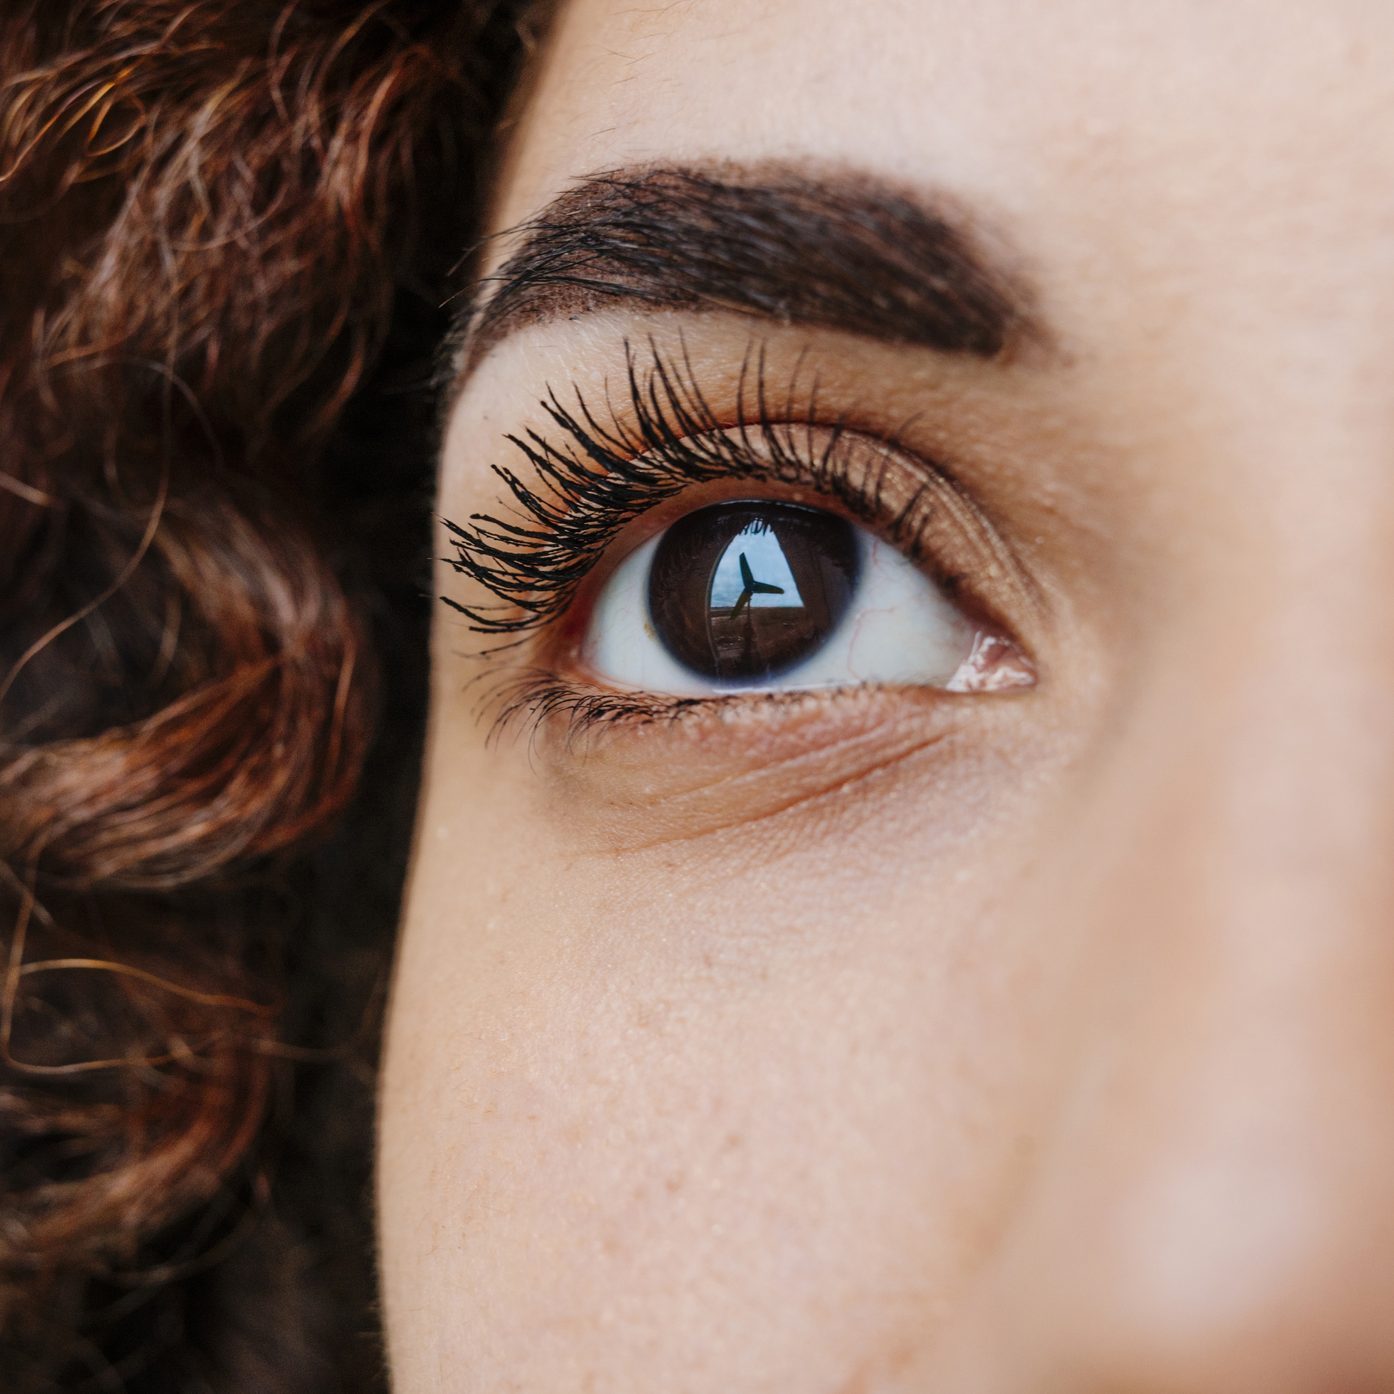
{"points": [[844, 251]]}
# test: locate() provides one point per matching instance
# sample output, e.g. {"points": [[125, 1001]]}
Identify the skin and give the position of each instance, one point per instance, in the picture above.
{"points": [[975, 1045]]}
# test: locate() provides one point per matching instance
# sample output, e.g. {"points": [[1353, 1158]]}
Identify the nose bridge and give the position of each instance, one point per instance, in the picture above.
{"points": [[1253, 738], [1264, 777], [1215, 1205]]}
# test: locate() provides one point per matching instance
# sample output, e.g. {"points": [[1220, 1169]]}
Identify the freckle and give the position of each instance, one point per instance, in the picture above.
{"points": [[873, 1373], [673, 1184]]}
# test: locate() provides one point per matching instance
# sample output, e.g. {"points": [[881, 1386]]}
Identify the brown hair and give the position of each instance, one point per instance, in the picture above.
{"points": [[221, 294]]}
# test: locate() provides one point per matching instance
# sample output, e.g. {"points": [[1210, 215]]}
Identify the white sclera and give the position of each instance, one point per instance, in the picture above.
{"points": [[899, 628]]}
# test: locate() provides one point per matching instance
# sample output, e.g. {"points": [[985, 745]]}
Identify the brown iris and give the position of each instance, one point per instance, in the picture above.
{"points": [[743, 592]]}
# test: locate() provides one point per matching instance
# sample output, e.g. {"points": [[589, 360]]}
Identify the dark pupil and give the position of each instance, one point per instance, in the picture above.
{"points": [[741, 592]]}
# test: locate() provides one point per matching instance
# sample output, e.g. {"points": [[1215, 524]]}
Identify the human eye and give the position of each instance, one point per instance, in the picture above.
{"points": [[666, 558], [762, 594]]}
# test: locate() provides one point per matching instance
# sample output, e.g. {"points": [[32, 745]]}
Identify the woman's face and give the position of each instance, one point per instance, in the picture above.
{"points": [[907, 903]]}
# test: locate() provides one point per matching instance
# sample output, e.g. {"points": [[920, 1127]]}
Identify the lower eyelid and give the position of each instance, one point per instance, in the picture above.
{"points": [[720, 768], [568, 716]]}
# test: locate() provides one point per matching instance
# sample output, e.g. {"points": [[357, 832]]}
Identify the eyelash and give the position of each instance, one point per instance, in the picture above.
{"points": [[597, 476]]}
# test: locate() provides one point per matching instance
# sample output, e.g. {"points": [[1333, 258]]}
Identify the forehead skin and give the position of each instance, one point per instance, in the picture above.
{"points": [[1201, 189], [1058, 1114], [1112, 138]]}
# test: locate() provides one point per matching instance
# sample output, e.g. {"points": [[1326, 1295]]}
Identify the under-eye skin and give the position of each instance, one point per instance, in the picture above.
{"points": [[666, 559]]}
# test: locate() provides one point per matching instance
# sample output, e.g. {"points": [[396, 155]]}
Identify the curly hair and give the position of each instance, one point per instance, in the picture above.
{"points": [[222, 292]]}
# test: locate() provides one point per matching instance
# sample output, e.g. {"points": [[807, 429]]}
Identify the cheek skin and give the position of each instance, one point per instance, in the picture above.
{"points": [[655, 1116]]}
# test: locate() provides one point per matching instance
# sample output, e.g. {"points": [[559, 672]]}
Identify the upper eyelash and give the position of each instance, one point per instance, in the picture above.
{"points": [[603, 476]]}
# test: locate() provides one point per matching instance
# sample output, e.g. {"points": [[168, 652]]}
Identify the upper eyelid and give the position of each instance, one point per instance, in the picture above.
{"points": [[606, 472]]}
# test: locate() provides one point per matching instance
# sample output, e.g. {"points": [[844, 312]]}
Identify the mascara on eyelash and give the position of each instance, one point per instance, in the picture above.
{"points": [[597, 477]]}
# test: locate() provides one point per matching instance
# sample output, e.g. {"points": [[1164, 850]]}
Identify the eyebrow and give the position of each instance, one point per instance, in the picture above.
{"points": [[846, 252]]}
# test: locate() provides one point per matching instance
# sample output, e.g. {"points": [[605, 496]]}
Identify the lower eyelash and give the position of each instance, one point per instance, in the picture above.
{"points": [[534, 697], [529, 700], [598, 477]]}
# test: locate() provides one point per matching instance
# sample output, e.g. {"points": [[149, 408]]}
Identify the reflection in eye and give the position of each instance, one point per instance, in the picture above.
{"points": [[742, 593], [768, 594]]}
